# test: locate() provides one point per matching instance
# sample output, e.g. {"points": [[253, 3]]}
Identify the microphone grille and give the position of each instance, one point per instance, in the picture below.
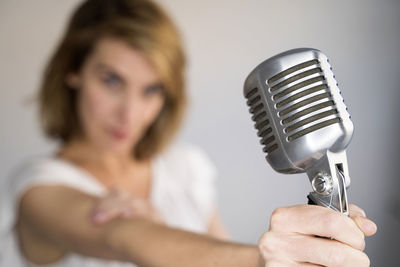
{"points": [[298, 93], [262, 120], [298, 109]]}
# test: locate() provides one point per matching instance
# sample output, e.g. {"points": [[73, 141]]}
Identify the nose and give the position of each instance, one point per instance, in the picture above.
{"points": [[131, 110]]}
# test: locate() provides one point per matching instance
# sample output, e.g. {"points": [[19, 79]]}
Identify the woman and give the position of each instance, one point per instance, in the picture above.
{"points": [[115, 194]]}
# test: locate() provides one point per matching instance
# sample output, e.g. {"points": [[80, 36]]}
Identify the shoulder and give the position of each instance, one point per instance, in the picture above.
{"points": [[41, 168], [30, 169], [39, 164], [48, 170]]}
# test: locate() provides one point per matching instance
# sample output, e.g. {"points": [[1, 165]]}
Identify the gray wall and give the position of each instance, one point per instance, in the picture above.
{"points": [[225, 39]]}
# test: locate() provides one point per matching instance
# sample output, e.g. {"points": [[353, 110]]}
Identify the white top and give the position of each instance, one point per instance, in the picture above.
{"points": [[182, 190]]}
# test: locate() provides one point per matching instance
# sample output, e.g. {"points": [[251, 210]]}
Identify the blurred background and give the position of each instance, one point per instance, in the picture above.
{"points": [[225, 40]]}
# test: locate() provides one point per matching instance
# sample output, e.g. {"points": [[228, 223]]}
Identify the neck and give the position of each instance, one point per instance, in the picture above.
{"points": [[85, 153]]}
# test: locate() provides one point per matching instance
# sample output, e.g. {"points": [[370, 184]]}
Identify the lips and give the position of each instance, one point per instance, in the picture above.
{"points": [[119, 134]]}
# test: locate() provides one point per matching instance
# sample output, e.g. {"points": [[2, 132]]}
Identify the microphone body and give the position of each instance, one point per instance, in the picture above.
{"points": [[303, 122]]}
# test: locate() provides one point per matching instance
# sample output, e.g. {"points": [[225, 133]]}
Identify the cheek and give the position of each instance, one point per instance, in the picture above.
{"points": [[95, 107], [153, 110]]}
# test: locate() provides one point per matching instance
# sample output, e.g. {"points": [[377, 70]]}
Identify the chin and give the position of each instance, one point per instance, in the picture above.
{"points": [[121, 146]]}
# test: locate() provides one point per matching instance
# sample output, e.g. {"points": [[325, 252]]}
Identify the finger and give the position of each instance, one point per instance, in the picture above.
{"points": [[105, 205], [108, 201], [287, 264], [367, 226], [305, 264], [354, 210], [326, 252], [109, 208], [290, 264], [103, 216], [112, 200], [135, 208], [318, 220], [313, 250], [358, 215], [275, 264]]}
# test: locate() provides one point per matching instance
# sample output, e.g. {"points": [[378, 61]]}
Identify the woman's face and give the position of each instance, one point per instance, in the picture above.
{"points": [[120, 95]]}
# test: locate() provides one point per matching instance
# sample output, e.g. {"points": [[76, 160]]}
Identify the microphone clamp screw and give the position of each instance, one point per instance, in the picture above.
{"points": [[322, 184]]}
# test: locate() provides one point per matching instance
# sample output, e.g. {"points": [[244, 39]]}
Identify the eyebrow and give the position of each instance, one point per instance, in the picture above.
{"points": [[158, 84], [106, 68], [103, 67]]}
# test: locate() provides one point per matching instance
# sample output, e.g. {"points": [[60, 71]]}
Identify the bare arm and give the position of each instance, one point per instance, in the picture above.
{"points": [[217, 229], [61, 215]]}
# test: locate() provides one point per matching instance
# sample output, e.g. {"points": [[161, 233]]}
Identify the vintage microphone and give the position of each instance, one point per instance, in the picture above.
{"points": [[303, 122]]}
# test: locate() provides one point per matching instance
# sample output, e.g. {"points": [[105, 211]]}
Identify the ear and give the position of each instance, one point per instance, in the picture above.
{"points": [[73, 80]]}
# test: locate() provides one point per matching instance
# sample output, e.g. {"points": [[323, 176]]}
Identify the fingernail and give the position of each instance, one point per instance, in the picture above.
{"points": [[363, 213]]}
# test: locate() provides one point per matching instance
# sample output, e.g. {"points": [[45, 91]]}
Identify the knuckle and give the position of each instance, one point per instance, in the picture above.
{"points": [[267, 244], [359, 235], [337, 257], [361, 245], [331, 222], [277, 217]]}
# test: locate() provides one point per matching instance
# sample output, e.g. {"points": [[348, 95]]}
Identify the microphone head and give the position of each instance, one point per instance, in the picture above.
{"points": [[298, 109]]}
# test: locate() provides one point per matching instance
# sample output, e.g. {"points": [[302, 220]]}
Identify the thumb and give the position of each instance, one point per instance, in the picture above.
{"points": [[367, 226]]}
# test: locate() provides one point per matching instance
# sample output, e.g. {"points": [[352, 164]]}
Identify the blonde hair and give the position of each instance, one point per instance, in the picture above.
{"points": [[144, 26]]}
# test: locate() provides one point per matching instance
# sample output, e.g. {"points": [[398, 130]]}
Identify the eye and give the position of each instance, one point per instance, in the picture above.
{"points": [[111, 80], [154, 89]]}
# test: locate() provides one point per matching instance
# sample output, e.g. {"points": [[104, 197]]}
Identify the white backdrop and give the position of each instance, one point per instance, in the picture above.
{"points": [[225, 40]]}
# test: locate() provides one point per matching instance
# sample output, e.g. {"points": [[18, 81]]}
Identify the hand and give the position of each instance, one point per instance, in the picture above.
{"points": [[294, 237], [120, 204]]}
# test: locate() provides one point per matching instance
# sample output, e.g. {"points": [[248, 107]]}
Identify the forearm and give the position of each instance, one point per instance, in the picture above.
{"points": [[61, 215], [149, 244]]}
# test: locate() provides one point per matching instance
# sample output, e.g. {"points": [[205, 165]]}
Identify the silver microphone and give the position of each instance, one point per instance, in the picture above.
{"points": [[303, 122]]}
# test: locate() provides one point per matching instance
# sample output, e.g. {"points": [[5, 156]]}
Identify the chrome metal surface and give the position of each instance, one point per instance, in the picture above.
{"points": [[302, 120], [322, 184]]}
